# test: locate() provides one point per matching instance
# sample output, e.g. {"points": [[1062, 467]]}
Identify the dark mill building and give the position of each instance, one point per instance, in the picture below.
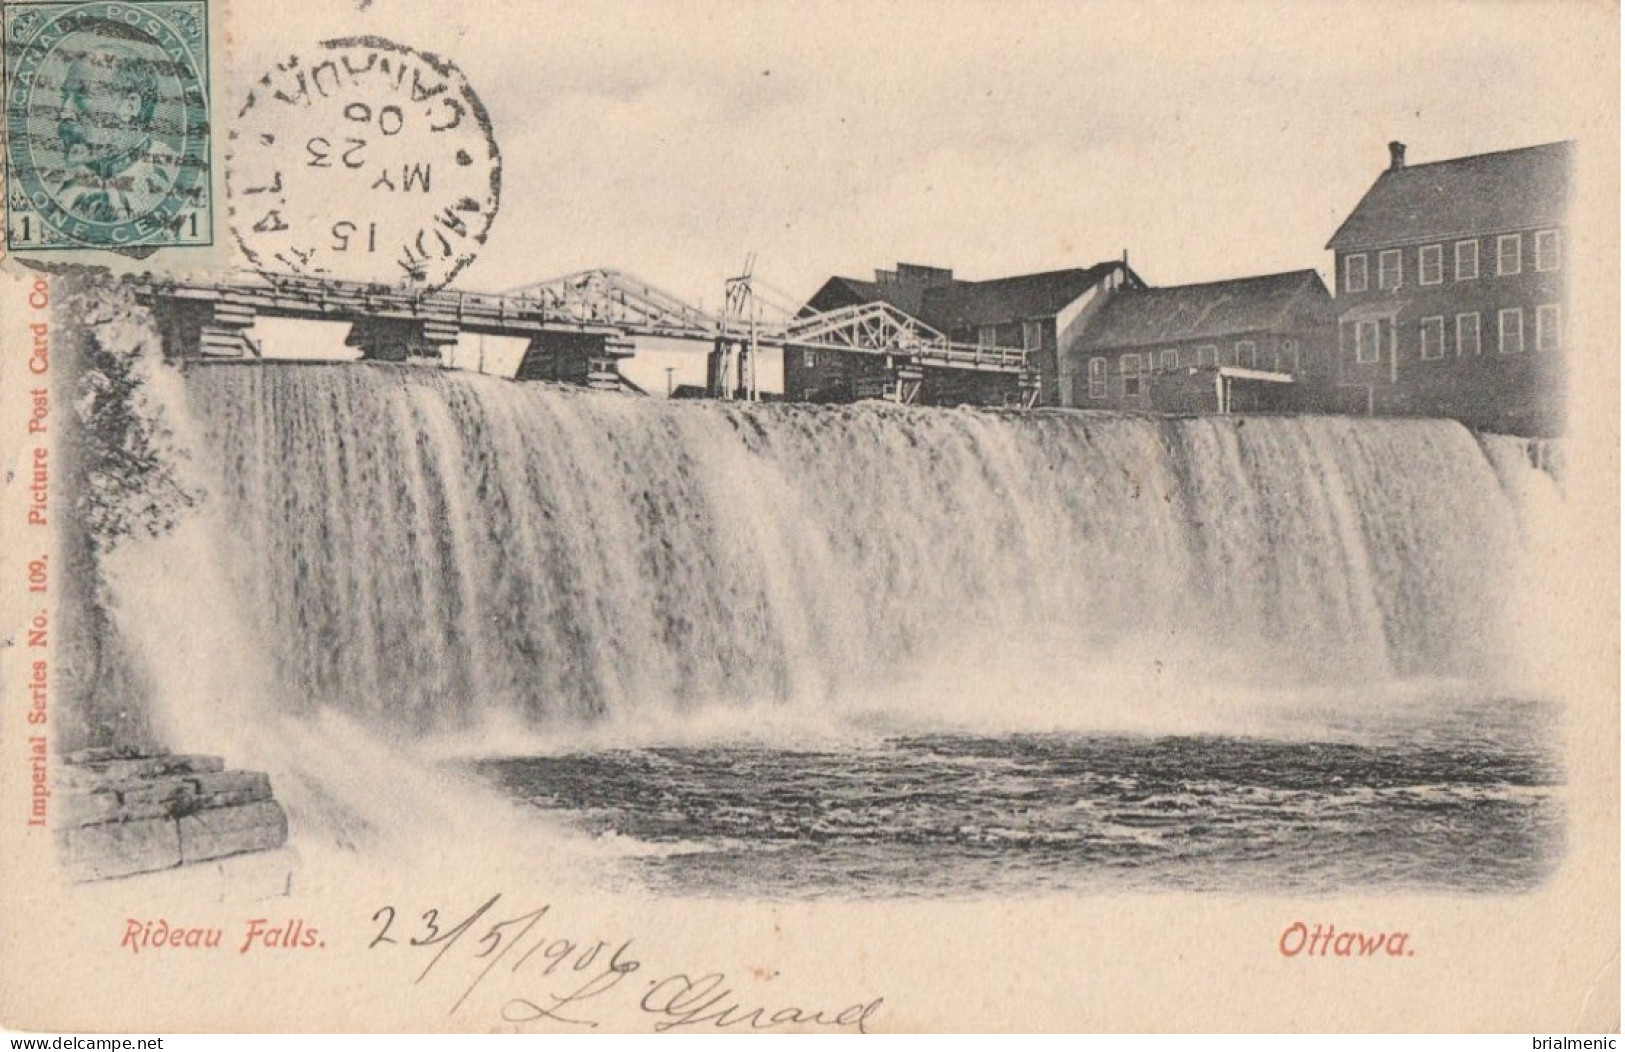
{"points": [[1451, 290], [1448, 300], [1043, 314], [1256, 344]]}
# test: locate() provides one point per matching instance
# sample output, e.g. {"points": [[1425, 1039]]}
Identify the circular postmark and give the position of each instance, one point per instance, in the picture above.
{"points": [[373, 163], [107, 121]]}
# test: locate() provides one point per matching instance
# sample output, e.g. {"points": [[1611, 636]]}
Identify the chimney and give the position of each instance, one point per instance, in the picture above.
{"points": [[1396, 156]]}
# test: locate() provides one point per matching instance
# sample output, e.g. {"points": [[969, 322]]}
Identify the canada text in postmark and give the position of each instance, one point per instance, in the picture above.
{"points": [[107, 125], [369, 162]]}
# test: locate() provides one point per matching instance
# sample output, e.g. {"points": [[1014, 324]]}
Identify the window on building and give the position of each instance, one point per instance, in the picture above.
{"points": [[1466, 334], [1548, 327], [1466, 260], [1129, 366], [1430, 265], [1512, 331], [1367, 345], [1432, 338], [1508, 254], [809, 359], [1390, 268], [1207, 356], [1032, 335], [1354, 275], [1097, 378], [987, 336], [1548, 246], [1170, 360], [1286, 360], [1227, 356], [1247, 354]]}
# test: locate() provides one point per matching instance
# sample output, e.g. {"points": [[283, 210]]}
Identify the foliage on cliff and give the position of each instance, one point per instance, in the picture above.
{"points": [[129, 480], [124, 479]]}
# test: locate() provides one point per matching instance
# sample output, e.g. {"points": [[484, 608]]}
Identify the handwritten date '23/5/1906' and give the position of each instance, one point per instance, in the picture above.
{"points": [[564, 976]]}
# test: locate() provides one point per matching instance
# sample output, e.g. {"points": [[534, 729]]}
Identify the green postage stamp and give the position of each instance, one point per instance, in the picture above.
{"points": [[108, 125]]}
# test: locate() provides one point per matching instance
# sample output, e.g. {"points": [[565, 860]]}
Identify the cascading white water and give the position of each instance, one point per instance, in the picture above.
{"points": [[424, 549]]}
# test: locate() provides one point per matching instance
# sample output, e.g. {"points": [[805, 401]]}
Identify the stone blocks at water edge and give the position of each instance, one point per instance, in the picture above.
{"points": [[128, 812]]}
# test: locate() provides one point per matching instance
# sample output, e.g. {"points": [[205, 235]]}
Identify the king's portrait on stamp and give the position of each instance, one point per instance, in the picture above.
{"points": [[108, 142]]}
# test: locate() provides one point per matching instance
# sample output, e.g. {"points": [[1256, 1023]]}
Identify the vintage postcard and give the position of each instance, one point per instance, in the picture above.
{"points": [[831, 517]]}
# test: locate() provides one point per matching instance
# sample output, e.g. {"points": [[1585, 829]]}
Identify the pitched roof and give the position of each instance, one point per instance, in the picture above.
{"points": [[969, 304], [1483, 194], [1134, 317], [845, 292], [953, 304]]}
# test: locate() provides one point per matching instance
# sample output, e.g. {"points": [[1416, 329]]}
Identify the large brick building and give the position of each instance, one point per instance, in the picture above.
{"points": [[1044, 314], [1451, 286], [1255, 344]]}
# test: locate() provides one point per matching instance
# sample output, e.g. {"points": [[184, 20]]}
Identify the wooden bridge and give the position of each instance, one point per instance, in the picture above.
{"points": [[581, 326]]}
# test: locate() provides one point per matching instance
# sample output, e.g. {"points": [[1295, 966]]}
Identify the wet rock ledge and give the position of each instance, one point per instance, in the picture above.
{"points": [[125, 812]]}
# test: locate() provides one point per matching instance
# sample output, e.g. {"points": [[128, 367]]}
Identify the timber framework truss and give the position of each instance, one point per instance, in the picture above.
{"points": [[618, 299], [602, 303]]}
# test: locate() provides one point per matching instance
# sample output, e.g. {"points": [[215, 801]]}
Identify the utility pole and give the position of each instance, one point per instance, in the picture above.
{"points": [[740, 303], [670, 369]]}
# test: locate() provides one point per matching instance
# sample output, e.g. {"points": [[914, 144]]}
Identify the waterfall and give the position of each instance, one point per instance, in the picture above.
{"points": [[423, 550]]}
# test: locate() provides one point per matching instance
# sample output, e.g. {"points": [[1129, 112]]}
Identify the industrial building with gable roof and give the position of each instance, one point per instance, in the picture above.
{"points": [[1451, 290], [1257, 344], [1044, 314], [1448, 301]]}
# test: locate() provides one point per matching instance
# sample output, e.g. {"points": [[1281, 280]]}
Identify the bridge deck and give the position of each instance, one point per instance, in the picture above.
{"points": [[608, 306]]}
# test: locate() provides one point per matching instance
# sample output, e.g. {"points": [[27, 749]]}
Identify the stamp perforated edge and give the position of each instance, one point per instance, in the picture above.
{"points": [[202, 259]]}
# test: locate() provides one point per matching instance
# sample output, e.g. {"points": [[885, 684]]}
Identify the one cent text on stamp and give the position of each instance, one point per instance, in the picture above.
{"points": [[108, 140]]}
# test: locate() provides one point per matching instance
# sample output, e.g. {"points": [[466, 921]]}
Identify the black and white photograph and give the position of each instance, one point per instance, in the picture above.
{"points": [[690, 517]]}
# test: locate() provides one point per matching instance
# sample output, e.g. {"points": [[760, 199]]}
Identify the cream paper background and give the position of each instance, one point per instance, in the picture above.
{"points": [[1541, 962]]}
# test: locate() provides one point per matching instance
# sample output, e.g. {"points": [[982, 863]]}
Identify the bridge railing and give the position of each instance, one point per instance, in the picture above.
{"points": [[595, 304], [1008, 359]]}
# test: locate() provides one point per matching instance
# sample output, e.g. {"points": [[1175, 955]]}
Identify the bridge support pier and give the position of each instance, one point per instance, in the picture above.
{"points": [[719, 369], [906, 380], [582, 358], [402, 339], [204, 328], [730, 371]]}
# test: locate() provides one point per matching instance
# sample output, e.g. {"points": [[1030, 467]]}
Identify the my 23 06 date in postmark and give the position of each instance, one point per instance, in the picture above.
{"points": [[370, 162]]}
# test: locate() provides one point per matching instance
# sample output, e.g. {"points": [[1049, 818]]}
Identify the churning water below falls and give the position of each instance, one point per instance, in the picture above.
{"points": [[958, 814], [875, 650]]}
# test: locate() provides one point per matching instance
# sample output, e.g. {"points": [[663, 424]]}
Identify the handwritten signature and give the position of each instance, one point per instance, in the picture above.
{"points": [[566, 980]]}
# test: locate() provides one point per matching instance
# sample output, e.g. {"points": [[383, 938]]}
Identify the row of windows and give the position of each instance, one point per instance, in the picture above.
{"points": [[1032, 335], [1430, 262], [1244, 353], [1510, 333]]}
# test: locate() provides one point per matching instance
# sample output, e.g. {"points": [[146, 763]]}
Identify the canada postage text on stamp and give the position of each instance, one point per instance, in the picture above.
{"points": [[108, 138]]}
